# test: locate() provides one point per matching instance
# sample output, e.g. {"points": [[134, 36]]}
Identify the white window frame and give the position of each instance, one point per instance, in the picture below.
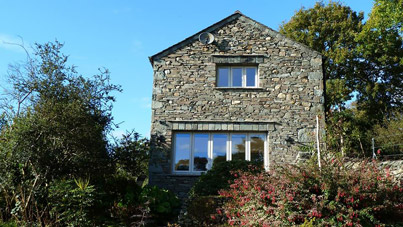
{"points": [[210, 149], [230, 79]]}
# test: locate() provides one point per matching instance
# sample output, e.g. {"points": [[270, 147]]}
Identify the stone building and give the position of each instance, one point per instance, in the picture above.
{"points": [[235, 90]]}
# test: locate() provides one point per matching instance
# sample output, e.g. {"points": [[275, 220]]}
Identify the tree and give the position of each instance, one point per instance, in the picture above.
{"points": [[361, 59], [331, 30], [58, 131], [131, 155], [380, 50], [389, 135]]}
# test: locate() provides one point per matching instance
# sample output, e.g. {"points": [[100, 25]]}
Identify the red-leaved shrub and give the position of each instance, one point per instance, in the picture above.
{"points": [[337, 195]]}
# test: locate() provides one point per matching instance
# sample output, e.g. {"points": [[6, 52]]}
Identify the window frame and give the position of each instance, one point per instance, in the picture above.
{"points": [[210, 147], [244, 76]]}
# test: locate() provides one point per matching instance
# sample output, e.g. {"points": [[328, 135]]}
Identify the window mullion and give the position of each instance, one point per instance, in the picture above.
{"points": [[243, 76], [210, 151], [229, 147], [247, 147], [191, 152], [230, 76]]}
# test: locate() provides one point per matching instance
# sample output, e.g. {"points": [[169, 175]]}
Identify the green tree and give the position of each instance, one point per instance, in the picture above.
{"points": [[58, 130], [361, 59], [131, 155], [380, 50], [331, 30], [389, 135]]}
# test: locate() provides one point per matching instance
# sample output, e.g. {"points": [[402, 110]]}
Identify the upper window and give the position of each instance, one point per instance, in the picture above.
{"points": [[198, 152], [237, 76]]}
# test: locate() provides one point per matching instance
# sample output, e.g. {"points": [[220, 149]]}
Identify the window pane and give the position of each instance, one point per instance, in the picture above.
{"points": [[223, 77], [237, 77], [257, 148], [219, 148], [182, 152], [250, 77], [238, 146], [200, 152]]}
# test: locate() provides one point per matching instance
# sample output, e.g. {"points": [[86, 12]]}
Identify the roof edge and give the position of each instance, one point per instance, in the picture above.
{"points": [[193, 37], [237, 14], [282, 36]]}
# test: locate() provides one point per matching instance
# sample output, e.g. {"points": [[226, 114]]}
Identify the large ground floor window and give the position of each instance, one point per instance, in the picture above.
{"points": [[197, 152]]}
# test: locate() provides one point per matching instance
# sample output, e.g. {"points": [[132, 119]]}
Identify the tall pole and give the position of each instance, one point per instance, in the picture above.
{"points": [[317, 140], [373, 149]]}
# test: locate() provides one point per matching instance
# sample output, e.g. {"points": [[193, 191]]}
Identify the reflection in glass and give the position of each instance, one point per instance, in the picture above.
{"points": [[238, 146], [182, 151], [219, 148], [237, 77], [250, 77], [200, 152], [257, 148], [223, 77]]}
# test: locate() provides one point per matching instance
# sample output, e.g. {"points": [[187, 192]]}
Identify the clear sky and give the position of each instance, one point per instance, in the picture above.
{"points": [[121, 35]]}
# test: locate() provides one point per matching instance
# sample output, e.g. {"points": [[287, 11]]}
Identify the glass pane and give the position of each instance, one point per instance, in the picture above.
{"points": [[223, 77], [238, 146], [237, 77], [182, 151], [250, 77], [219, 148], [200, 152], [257, 148]]}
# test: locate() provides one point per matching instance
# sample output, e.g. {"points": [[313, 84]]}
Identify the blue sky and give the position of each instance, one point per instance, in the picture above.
{"points": [[121, 35]]}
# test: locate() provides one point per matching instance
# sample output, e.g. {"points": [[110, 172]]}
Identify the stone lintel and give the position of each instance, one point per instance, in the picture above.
{"points": [[223, 126], [237, 59]]}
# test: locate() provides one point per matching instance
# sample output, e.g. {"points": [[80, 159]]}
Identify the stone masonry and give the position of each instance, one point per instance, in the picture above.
{"points": [[185, 96]]}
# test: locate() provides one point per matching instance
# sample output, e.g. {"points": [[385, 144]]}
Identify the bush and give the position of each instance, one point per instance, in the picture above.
{"points": [[70, 202], [292, 195], [220, 176], [201, 210], [163, 204], [389, 135], [203, 197]]}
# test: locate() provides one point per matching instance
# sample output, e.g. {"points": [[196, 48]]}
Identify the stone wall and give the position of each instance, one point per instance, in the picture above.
{"points": [[395, 168], [185, 96]]}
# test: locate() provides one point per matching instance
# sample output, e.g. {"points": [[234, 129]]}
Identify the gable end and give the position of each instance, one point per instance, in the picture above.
{"points": [[223, 22]]}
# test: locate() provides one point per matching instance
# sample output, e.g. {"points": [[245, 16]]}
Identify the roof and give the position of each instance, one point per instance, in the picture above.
{"points": [[236, 15]]}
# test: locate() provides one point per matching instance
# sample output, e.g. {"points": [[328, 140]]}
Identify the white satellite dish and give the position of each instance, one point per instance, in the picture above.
{"points": [[206, 38]]}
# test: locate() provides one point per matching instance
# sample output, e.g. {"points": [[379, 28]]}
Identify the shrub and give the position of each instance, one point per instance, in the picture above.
{"points": [[200, 211], [70, 202], [163, 204], [203, 197], [220, 176], [337, 195]]}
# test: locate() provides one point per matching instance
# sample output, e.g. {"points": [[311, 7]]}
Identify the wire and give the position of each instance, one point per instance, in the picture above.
{"points": [[390, 145], [388, 136]]}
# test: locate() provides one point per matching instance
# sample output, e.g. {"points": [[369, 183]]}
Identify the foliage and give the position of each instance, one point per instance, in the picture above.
{"points": [[389, 136], [363, 63], [340, 194], [200, 211], [127, 207], [331, 30], [53, 140], [348, 132], [380, 50], [70, 201], [57, 132], [163, 204], [220, 176], [131, 155]]}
